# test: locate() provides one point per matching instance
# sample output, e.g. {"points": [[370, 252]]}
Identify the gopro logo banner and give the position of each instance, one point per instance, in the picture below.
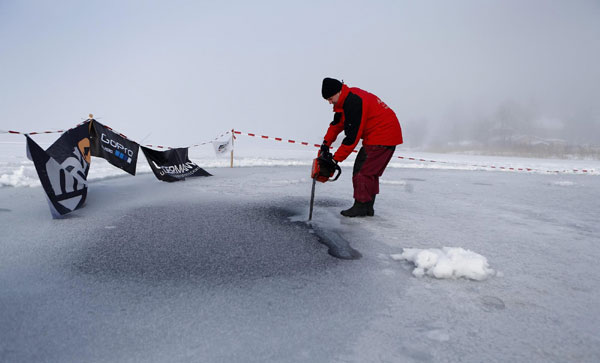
{"points": [[116, 149]]}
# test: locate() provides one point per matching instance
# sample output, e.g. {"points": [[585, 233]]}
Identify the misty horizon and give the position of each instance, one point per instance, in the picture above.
{"points": [[465, 72]]}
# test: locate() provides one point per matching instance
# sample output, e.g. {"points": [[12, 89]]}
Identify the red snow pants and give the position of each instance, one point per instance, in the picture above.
{"points": [[369, 165]]}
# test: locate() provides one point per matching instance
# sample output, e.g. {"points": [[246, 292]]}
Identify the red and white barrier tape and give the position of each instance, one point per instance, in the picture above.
{"points": [[40, 132], [167, 147], [195, 145], [235, 132], [113, 130], [503, 168], [276, 138]]}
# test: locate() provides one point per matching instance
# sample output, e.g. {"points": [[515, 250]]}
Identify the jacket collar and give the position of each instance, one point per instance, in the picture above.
{"points": [[339, 106]]}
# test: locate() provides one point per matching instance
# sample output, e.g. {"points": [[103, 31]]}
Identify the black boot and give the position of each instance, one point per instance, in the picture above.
{"points": [[358, 210], [371, 211]]}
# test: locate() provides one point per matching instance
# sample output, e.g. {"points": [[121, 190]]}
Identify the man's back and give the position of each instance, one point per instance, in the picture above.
{"points": [[381, 124]]}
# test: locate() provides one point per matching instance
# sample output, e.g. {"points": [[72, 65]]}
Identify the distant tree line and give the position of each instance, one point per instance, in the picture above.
{"points": [[513, 129]]}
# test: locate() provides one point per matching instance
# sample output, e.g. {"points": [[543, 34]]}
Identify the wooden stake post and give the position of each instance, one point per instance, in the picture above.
{"points": [[232, 138]]}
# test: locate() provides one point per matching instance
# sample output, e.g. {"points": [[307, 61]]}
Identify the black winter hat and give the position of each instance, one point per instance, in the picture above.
{"points": [[330, 87]]}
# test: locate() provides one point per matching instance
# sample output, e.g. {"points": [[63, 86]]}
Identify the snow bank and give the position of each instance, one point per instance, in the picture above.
{"points": [[17, 171], [448, 262], [24, 174], [20, 176]]}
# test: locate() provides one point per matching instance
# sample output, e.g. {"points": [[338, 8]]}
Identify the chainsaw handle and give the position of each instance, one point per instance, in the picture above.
{"points": [[339, 172]]}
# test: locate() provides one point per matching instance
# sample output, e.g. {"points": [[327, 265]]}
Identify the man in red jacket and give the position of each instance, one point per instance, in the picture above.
{"points": [[361, 115]]}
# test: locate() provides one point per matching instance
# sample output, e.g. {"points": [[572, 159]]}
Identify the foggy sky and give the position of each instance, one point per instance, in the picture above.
{"points": [[182, 72]]}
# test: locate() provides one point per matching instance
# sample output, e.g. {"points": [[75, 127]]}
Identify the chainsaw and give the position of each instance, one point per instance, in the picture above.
{"points": [[323, 170]]}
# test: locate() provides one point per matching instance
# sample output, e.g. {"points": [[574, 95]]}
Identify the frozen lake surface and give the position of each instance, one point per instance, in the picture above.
{"points": [[225, 268]]}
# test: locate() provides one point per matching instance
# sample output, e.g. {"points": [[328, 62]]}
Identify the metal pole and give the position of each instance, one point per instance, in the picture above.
{"points": [[312, 199]]}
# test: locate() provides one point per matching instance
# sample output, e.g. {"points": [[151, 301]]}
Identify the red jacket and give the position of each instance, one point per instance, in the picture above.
{"points": [[362, 115]]}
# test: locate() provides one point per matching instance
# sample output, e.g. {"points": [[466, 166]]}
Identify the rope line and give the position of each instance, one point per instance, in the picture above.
{"points": [[503, 168]]}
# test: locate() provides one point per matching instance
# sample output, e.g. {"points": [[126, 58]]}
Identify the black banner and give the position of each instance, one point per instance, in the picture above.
{"points": [[172, 165], [63, 169], [113, 147]]}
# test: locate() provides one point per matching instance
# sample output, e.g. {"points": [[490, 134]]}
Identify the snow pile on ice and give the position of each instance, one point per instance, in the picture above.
{"points": [[20, 177], [448, 262]]}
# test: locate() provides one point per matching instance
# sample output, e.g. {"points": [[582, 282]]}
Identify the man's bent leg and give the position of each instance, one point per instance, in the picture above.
{"points": [[366, 179]]}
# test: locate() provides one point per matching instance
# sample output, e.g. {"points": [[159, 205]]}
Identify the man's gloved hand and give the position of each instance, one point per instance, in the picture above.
{"points": [[324, 148], [326, 163], [327, 157], [325, 154]]}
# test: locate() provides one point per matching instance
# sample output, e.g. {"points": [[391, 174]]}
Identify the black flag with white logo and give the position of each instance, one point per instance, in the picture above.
{"points": [[63, 169], [172, 165], [113, 147]]}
